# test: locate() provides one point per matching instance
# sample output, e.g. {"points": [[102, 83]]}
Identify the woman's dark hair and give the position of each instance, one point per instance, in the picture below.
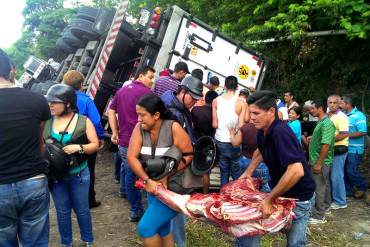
{"points": [[231, 82], [153, 104], [298, 111]]}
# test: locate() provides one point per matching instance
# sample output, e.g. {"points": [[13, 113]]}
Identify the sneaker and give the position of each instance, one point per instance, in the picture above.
{"points": [[86, 244], [94, 204], [335, 206], [122, 195], [359, 194], [135, 217], [313, 221]]}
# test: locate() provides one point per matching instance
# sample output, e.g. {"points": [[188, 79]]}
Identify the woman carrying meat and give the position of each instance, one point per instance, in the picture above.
{"points": [[152, 137]]}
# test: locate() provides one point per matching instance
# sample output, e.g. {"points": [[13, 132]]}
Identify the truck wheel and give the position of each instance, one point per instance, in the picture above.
{"points": [[83, 29], [70, 39], [87, 13], [84, 70], [63, 47], [87, 61]]}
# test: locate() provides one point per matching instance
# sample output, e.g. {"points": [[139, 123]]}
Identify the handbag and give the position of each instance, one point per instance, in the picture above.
{"points": [[59, 162], [340, 149]]}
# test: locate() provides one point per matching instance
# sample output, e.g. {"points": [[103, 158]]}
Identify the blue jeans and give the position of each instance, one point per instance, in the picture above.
{"points": [[156, 219], [24, 213], [262, 172], [117, 167], [338, 188], [178, 230], [128, 179], [297, 234], [353, 178], [72, 192], [229, 161]]}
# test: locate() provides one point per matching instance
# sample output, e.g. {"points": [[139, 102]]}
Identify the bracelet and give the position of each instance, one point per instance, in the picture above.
{"points": [[81, 151]]}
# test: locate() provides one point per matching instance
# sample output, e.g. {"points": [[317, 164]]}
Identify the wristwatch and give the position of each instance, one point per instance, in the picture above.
{"points": [[81, 151]]}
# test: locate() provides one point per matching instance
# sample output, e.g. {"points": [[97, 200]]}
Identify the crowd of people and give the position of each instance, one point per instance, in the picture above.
{"points": [[311, 153]]}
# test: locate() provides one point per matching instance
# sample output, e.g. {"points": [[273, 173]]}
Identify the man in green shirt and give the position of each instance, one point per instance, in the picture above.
{"points": [[321, 152]]}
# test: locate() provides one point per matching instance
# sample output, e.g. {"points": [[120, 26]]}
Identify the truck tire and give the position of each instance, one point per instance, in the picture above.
{"points": [[87, 61], [87, 13], [75, 64], [63, 47], [84, 70], [70, 39], [83, 29]]}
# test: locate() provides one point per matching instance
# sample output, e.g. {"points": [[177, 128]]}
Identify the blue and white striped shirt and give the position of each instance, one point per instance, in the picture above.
{"points": [[357, 123]]}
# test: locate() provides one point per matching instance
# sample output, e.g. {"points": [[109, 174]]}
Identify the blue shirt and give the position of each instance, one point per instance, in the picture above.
{"points": [[87, 108], [179, 113], [357, 123], [279, 149], [296, 128]]}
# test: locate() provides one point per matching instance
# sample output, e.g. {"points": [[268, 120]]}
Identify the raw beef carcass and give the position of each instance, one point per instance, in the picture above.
{"points": [[234, 209]]}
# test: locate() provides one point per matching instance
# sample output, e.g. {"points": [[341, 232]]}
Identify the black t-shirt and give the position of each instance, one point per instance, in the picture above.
{"points": [[21, 113], [202, 121], [279, 149]]}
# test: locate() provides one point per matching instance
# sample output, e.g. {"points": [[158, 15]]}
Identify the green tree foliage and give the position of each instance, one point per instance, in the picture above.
{"points": [[312, 67], [44, 22]]}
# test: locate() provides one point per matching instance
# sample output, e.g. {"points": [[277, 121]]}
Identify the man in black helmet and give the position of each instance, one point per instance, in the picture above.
{"points": [[180, 103], [24, 194]]}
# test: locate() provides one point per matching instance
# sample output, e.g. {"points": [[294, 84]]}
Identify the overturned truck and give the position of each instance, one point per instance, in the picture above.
{"points": [[108, 50]]}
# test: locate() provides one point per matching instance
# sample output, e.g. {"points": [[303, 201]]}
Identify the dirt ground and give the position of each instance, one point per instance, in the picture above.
{"points": [[112, 227]]}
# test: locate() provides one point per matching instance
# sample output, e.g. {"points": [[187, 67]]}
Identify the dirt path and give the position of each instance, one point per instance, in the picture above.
{"points": [[112, 227]]}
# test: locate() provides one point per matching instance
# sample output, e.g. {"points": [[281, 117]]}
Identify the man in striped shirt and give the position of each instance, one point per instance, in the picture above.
{"points": [[357, 133], [171, 82]]}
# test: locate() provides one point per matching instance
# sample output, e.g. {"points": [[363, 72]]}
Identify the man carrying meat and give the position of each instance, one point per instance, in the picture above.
{"points": [[289, 170]]}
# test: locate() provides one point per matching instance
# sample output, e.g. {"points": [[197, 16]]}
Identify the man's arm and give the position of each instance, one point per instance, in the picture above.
{"points": [[292, 175], [323, 153], [42, 142], [240, 111], [342, 135], [356, 134], [112, 118], [214, 114], [235, 136]]}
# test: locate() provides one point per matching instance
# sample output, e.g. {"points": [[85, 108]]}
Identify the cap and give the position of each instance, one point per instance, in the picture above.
{"points": [[181, 66], [194, 87]]}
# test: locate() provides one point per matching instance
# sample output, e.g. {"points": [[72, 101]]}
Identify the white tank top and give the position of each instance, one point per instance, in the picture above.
{"points": [[226, 116]]}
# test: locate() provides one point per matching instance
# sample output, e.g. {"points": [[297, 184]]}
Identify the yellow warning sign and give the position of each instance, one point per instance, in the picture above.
{"points": [[243, 71], [254, 72], [194, 51]]}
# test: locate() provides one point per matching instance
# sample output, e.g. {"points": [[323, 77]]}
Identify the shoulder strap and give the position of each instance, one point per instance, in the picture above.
{"points": [[66, 128]]}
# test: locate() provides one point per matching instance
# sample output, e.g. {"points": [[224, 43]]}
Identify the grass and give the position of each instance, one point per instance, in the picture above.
{"points": [[200, 234]]}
